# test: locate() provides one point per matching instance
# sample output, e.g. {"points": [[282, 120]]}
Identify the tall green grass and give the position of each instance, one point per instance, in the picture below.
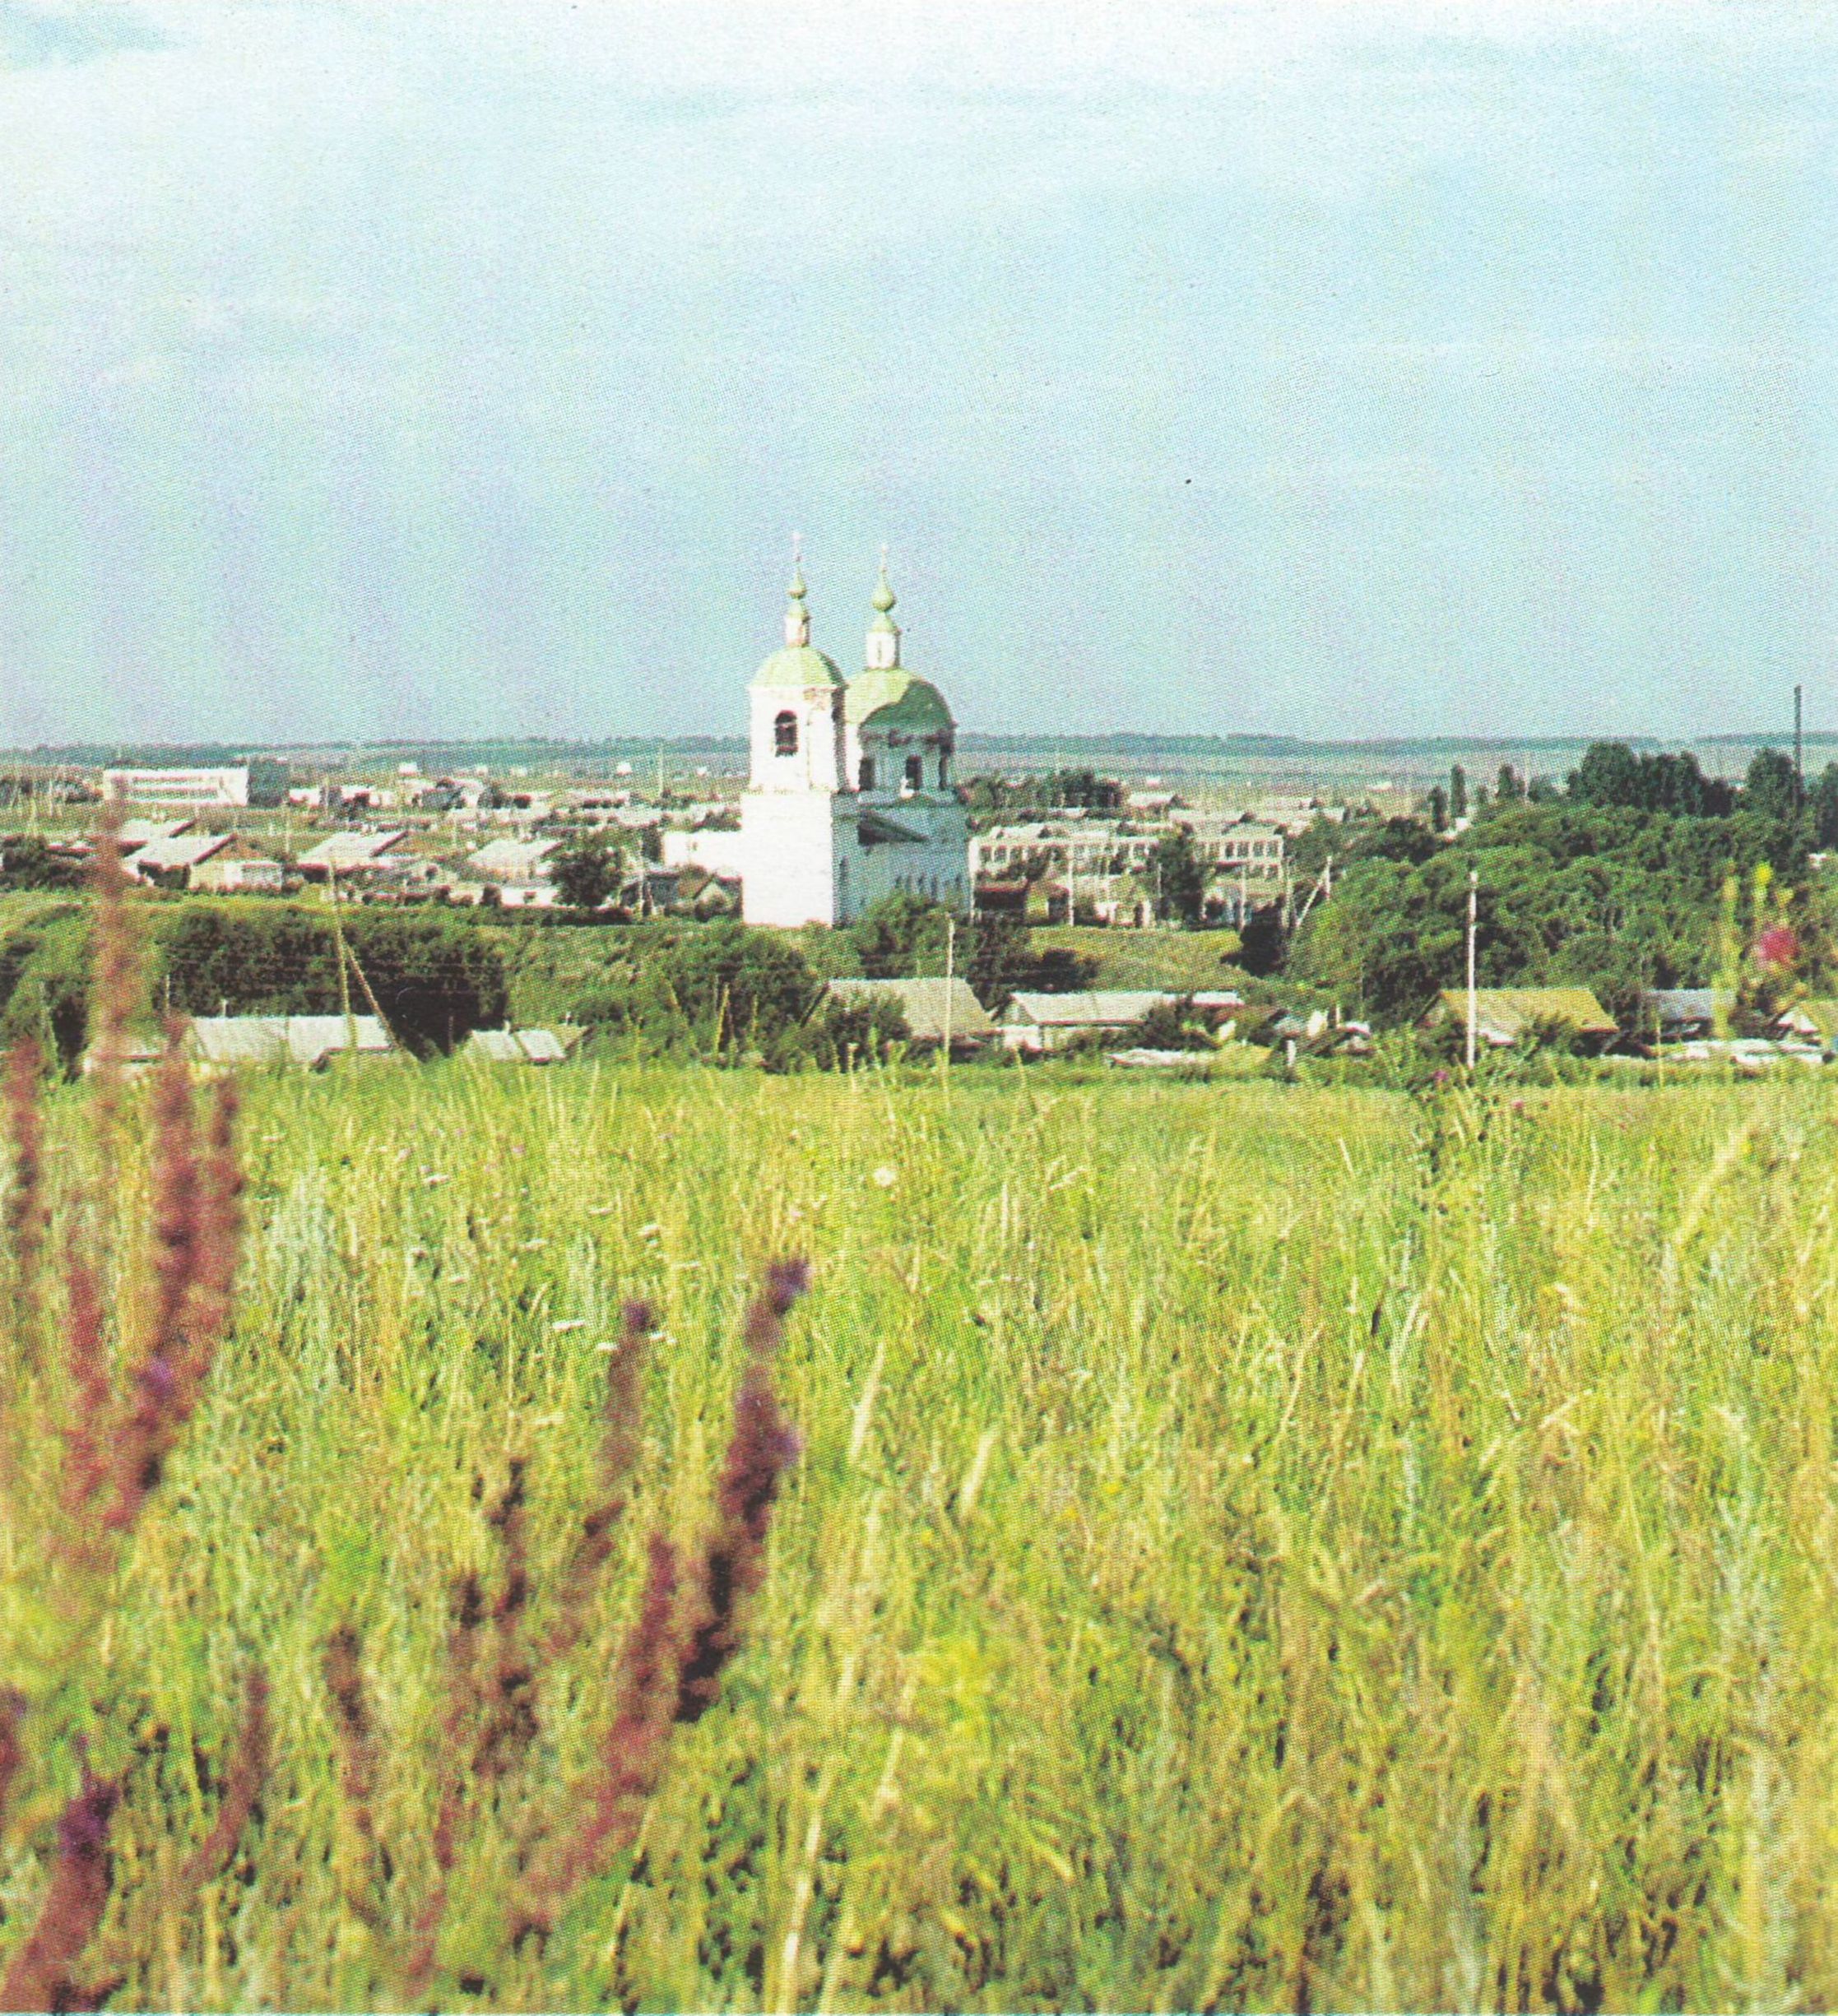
{"points": [[1252, 1546]]}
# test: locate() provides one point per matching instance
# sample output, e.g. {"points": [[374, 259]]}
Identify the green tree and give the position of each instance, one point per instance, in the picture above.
{"points": [[585, 870], [436, 979], [1179, 877], [1438, 809], [44, 975], [1823, 801], [1171, 1026], [1262, 941], [1001, 962], [1608, 775], [839, 1034], [1771, 789], [27, 862], [1611, 774], [736, 989], [901, 935], [1458, 792], [1509, 787]]}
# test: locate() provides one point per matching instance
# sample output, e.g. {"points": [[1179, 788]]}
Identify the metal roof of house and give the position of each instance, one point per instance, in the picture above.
{"points": [[1685, 1004], [923, 1003], [510, 860], [1509, 1011], [1817, 1017], [305, 1040], [1110, 1008], [178, 851], [137, 833], [516, 1046], [349, 850]]}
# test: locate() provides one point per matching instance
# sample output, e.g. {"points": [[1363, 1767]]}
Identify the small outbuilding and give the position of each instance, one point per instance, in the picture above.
{"points": [[1036, 1023], [1683, 1014], [1812, 1022], [936, 1011], [1505, 1016], [514, 1046], [351, 854], [176, 859], [238, 874], [220, 1043]]}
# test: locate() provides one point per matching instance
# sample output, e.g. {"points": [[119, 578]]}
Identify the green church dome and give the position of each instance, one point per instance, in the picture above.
{"points": [[896, 698], [799, 666]]}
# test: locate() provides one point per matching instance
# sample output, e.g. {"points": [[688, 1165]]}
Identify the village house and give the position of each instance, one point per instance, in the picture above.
{"points": [[356, 857], [222, 787], [1037, 1024], [196, 860], [132, 833], [1505, 1016], [518, 870], [221, 1043], [1683, 1014], [231, 871], [937, 1011]]}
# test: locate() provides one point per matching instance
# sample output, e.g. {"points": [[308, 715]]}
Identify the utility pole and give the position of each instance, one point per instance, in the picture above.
{"points": [[1799, 752], [1473, 1004], [950, 971], [344, 977]]}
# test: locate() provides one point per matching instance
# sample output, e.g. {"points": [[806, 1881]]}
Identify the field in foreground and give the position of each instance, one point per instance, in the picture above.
{"points": [[1251, 1548]]}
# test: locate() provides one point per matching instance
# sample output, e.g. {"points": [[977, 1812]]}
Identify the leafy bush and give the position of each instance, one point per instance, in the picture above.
{"points": [[1171, 1026], [26, 862]]}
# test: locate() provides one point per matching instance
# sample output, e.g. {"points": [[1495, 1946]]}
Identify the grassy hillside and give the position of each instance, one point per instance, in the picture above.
{"points": [[1251, 1547]]}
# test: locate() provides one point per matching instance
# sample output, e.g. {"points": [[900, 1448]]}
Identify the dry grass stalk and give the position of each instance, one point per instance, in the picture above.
{"points": [[12, 1713], [458, 1733], [115, 981], [510, 1724], [343, 1668], [28, 1215], [123, 1442], [607, 1809], [40, 1976], [631, 1758], [248, 1772], [620, 1445], [89, 1391], [197, 1232], [763, 1448]]}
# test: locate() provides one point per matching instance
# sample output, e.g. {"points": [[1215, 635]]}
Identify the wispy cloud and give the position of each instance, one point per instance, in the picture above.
{"points": [[32, 34]]}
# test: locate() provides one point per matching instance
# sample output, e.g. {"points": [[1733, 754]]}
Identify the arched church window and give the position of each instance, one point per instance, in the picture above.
{"points": [[915, 773], [785, 734], [866, 780], [945, 771]]}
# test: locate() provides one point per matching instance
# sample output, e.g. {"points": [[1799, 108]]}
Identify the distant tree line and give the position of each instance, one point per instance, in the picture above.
{"points": [[1056, 790]]}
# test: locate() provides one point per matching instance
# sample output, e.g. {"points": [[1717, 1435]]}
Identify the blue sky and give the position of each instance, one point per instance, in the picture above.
{"points": [[434, 368]]}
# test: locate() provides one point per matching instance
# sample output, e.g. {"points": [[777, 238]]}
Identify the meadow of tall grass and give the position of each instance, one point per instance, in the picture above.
{"points": [[1247, 1546]]}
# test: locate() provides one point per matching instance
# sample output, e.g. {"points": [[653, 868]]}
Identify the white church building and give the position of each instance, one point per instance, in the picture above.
{"points": [[849, 795]]}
